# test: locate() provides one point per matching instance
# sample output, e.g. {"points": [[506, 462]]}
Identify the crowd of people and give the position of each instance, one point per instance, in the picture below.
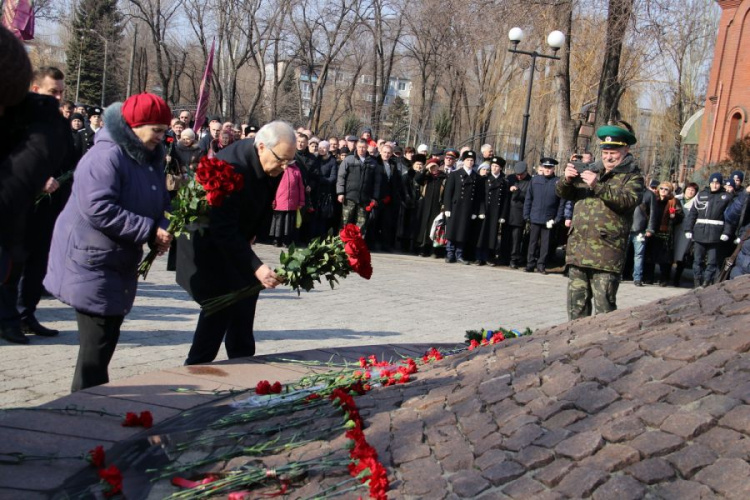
{"points": [[82, 236]]}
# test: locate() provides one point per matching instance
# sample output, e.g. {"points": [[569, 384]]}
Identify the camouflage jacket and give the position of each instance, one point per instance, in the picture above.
{"points": [[598, 237]]}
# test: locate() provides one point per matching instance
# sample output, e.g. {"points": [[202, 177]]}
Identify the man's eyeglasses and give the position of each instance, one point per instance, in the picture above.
{"points": [[279, 159]]}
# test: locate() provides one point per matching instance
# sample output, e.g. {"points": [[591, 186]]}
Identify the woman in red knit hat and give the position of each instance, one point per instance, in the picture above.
{"points": [[118, 204]]}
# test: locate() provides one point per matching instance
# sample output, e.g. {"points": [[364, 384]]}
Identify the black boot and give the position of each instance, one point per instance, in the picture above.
{"points": [[13, 334], [31, 325], [697, 283]]}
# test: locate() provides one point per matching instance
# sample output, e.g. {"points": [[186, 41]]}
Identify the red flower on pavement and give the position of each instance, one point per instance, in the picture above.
{"points": [[131, 420], [146, 419], [432, 355], [96, 457], [473, 345], [112, 479], [276, 388], [263, 388]]}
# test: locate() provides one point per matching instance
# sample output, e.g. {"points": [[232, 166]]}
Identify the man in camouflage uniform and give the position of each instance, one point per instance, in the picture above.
{"points": [[605, 197]]}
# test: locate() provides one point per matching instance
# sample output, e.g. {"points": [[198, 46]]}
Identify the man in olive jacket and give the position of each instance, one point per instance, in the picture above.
{"points": [[605, 197]]}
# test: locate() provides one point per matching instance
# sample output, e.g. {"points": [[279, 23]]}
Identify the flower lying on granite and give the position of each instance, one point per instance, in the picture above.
{"points": [[265, 387], [145, 419], [111, 477], [494, 336], [96, 457]]}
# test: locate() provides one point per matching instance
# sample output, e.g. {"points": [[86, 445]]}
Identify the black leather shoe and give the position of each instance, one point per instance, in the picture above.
{"points": [[450, 260], [14, 335], [31, 325], [542, 271], [464, 262], [513, 265], [529, 270]]}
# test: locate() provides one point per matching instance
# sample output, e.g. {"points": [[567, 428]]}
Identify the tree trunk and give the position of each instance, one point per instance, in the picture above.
{"points": [[566, 126], [609, 84]]}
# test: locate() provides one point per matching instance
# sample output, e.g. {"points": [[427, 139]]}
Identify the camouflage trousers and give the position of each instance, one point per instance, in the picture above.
{"points": [[354, 213], [586, 284]]}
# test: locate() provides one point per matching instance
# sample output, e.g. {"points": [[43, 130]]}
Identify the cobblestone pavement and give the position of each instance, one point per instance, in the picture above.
{"points": [[408, 300]]}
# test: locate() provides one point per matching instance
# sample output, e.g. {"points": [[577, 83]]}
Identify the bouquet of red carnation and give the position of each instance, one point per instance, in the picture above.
{"points": [[214, 180], [331, 257]]}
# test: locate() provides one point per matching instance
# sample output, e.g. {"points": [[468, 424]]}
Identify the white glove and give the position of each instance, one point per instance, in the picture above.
{"points": [[473, 216], [550, 223], [447, 214], [502, 221], [640, 237], [689, 236], [724, 237], [481, 216], [737, 241]]}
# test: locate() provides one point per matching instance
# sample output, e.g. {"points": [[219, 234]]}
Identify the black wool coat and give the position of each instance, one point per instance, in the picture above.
{"points": [[464, 199], [429, 204], [496, 192], [709, 206], [219, 258], [516, 200]]}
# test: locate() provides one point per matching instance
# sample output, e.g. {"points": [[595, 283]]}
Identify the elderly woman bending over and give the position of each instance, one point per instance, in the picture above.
{"points": [[118, 204]]}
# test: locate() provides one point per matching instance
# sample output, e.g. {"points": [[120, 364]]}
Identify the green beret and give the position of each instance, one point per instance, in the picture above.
{"points": [[615, 137]]}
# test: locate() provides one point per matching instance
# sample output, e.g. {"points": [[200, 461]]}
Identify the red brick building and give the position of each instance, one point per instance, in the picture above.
{"points": [[728, 96]]}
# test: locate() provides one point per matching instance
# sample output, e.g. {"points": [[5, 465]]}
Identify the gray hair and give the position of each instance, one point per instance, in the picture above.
{"points": [[188, 133], [275, 132], [324, 144], [486, 147]]}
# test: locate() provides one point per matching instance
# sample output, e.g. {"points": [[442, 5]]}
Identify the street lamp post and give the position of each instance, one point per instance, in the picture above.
{"points": [[555, 40]]}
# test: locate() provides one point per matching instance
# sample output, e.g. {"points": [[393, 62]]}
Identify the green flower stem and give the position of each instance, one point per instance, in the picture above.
{"points": [[68, 410], [335, 487]]}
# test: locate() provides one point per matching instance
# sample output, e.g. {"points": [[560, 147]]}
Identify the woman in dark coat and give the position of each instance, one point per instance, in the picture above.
{"points": [[431, 183], [117, 205], [325, 195], [496, 190], [666, 214], [407, 224]]}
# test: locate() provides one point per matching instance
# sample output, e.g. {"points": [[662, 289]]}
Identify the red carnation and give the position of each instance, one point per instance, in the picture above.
{"points": [[96, 457], [146, 419], [350, 232], [359, 257], [169, 140], [276, 388], [112, 479], [263, 388], [131, 420]]}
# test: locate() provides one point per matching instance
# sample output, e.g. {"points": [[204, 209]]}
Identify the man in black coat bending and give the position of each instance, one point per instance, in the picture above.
{"points": [[220, 258]]}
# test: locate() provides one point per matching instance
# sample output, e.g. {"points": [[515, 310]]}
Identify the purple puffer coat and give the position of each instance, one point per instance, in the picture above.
{"points": [[119, 197]]}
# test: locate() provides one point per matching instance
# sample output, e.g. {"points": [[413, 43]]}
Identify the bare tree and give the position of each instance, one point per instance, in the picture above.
{"points": [[158, 16]]}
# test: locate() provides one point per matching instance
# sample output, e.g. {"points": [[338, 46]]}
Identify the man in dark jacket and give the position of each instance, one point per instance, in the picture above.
{"points": [[518, 186], [220, 259], [32, 234], [641, 216], [705, 225], [34, 139], [357, 187], [542, 208], [464, 209]]}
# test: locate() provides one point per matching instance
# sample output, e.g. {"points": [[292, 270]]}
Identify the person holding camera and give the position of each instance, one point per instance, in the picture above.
{"points": [[605, 195]]}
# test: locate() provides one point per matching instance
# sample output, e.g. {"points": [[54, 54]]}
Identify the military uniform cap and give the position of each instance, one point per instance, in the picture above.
{"points": [[498, 160], [94, 111], [615, 137], [419, 157], [469, 154], [451, 152], [546, 161]]}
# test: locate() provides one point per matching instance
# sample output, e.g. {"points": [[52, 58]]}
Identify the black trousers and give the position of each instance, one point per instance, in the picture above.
{"points": [[539, 242], [235, 323], [9, 315], [516, 245], [98, 336]]}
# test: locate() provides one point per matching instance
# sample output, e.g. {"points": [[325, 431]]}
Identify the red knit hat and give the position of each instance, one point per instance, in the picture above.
{"points": [[146, 109]]}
